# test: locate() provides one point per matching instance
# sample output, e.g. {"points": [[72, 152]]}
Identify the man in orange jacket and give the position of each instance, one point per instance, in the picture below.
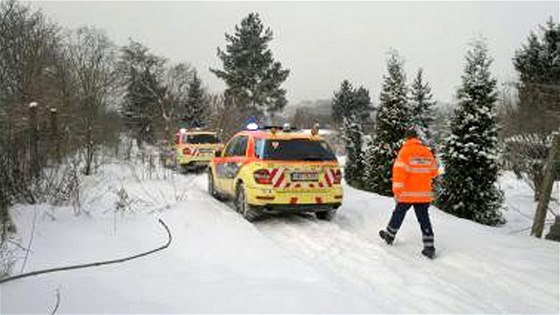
{"points": [[413, 171]]}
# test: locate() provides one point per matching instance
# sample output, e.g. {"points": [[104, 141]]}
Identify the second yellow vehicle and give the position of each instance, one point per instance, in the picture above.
{"points": [[277, 170], [194, 148]]}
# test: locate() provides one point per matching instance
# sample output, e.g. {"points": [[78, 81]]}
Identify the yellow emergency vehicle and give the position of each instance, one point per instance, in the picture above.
{"points": [[194, 148], [277, 170]]}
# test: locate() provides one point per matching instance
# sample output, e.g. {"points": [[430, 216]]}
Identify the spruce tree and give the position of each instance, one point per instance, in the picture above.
{"points": [[350, 101], [538, 65], [142, 74], [196, 106], [252, 76], [421, 106], [470, 154], [352, 108], [393, 118], [342, 102], [537, 113], [352, 135]]}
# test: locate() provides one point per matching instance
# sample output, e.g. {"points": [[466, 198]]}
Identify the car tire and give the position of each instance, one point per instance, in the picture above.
{"points": [[211, 187], [246, 210], [326, 215]]}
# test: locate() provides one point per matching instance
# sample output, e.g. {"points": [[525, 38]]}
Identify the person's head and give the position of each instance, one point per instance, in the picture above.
{"points": [[411, 133]]}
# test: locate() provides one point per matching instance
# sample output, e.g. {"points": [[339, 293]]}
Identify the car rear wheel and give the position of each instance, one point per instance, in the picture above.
{"points": [[326, 215], [241, 205], [211, 187]]}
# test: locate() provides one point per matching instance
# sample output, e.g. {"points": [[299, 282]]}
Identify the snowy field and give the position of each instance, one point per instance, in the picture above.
{"points": [[219, 263]]}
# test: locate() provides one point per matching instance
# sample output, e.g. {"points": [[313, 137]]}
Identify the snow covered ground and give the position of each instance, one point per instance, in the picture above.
{"points": [[218, 262]]}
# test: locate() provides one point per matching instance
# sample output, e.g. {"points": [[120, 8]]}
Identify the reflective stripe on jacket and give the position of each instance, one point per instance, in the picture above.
{"points": [[413, 171]]}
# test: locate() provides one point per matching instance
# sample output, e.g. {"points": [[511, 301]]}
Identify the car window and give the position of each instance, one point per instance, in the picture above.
{"points": [[200, 138], [230, 149], [297, 150], [259, 148], [241, 146]]}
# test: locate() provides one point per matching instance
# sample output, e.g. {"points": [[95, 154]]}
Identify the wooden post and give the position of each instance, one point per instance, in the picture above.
{"points": [[54, 135], [34, 142], [546, 186]]}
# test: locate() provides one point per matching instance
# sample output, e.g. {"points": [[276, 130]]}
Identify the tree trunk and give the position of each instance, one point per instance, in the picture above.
{"points": [[545, 190]]}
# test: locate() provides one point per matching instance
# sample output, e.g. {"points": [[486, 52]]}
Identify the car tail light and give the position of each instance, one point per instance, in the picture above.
{"points": [[187, 151], [263, 177], [337, 176]]}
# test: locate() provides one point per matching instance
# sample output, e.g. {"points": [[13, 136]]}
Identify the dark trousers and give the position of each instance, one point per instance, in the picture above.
{"points": [[421, 210]]}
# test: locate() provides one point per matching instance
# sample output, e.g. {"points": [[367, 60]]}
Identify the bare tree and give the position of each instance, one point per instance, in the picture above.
{"points": [[28, 53], [93, 62], [177, 80], [225, 117]]}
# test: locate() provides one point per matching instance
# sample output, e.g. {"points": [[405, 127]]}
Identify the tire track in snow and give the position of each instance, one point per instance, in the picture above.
{"points": [[383, 273], [358, 260], [340, 253], [331, 248]]}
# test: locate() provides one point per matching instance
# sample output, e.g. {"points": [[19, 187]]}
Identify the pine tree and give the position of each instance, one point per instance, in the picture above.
{"points": [[349, 101], [252, 76], [363, 107], [352, 108], [352, 135], [144, 94], [471, 153], [421, 105], [538, 65], [393, 118], [537, 113], [342, 102], [196, 106]]}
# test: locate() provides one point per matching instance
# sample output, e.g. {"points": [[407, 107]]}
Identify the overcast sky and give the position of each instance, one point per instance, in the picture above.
{"points": [[323, 43]]}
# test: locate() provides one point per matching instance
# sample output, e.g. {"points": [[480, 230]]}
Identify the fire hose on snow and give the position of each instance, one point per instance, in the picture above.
{"points": [[94, 264]]}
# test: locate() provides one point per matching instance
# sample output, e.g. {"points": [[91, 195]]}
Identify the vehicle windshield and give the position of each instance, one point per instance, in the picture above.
{"points": [[294, 150], [201, 138]]}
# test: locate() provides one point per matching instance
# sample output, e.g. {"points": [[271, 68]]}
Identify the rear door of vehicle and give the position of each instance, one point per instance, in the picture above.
{"points": [[228, 165], [301, 166], [203, 144]]}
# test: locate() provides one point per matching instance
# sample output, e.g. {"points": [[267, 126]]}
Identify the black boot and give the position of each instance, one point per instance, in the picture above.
{"points": [[429, 252], [385, 236]]}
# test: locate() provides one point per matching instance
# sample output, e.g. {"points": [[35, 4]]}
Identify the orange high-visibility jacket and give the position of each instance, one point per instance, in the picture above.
{"points": [[413, 171]]}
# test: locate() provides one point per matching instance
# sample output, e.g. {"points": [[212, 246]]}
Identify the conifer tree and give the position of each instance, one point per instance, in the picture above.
{"points": [[352, 134], [350, 101], [142, 76], [252, 76], [537, 113], [421, 105], [352, 108], [538, 65], [393, 118], [196, 106], [342, 102], [470, 154]]}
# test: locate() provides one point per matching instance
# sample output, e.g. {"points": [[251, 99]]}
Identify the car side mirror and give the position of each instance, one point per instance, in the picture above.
{"points": [[218, 153]]}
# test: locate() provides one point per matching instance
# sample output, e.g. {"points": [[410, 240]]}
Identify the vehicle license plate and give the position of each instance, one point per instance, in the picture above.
{"points": [[304, 177]]}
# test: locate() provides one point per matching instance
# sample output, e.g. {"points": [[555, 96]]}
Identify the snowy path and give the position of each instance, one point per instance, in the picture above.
{"points": [[468, 272], [218, 262], [469, 276]]}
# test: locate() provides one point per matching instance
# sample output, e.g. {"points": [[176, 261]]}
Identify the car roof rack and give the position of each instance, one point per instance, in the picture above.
{"points": [[282, 128]]}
